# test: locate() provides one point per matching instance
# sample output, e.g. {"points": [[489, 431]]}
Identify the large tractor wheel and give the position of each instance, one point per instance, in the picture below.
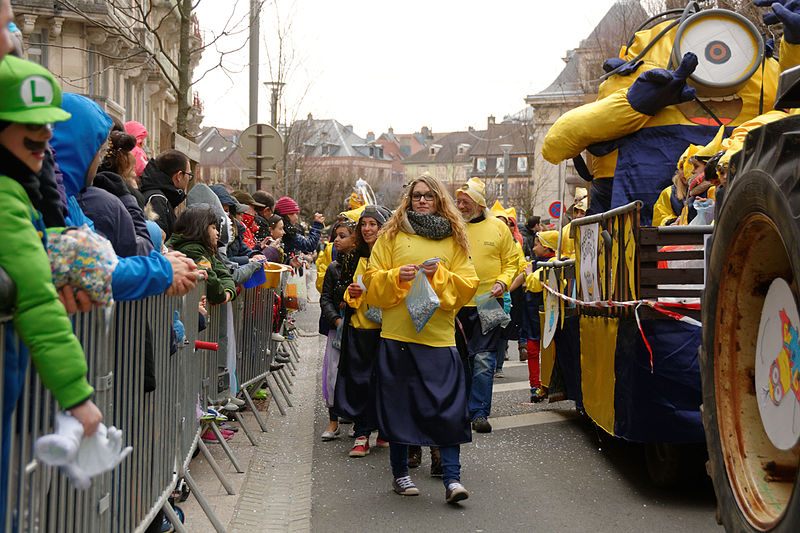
{"points": [[750, 409]]}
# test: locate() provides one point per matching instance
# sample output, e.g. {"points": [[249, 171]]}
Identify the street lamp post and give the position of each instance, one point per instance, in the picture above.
{"points": [[506, 148]]}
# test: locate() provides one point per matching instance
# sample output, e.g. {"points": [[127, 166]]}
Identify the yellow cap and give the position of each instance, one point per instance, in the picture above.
{"points": [[353, 214], [684, 163], [548, 238], [581, 200], [714, 146], [475, 189], [511, 213], [498, 210]]}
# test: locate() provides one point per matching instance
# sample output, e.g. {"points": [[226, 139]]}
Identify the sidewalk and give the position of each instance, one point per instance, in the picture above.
{"points": [[274, 493]]}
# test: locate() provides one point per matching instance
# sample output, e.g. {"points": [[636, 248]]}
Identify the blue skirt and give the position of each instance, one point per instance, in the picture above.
{"points": [[354, 395], [421, 394]]}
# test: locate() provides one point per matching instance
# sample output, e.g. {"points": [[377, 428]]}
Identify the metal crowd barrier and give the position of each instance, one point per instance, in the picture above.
{"points": [[163, 426]]}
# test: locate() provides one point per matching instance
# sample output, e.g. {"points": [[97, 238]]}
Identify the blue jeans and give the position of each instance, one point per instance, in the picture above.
{"points": [[480, 393], [501, 354], [451, 464]]}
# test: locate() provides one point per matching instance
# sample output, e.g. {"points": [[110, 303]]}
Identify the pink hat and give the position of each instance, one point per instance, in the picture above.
{"points": [[286, 206]]}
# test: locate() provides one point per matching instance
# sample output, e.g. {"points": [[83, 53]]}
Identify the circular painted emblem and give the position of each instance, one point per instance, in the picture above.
{"points": [[717, 52], [36, 90], [778, 366]]}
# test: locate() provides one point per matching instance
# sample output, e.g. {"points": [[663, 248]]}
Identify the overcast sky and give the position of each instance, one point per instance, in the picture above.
{"points": [[438, 63]]}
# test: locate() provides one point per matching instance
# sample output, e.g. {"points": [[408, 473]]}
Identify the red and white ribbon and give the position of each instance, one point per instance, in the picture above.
{"points": [[661, 307]]}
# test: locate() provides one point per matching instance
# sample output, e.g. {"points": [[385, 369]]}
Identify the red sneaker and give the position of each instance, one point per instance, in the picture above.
{"points": [[380, 443], [360, 448]]}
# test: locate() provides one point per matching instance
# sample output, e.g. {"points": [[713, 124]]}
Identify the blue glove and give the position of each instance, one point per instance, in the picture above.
{"points": [[658, 88], [786, 12], [177, 325]]}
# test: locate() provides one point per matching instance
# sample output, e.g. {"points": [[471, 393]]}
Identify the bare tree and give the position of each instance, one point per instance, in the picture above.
{"points": [[144, 34]]}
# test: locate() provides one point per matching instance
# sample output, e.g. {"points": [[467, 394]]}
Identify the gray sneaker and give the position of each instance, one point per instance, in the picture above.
{"points": [[499, 374], [404, 486], [455, 492], [481, 425]]}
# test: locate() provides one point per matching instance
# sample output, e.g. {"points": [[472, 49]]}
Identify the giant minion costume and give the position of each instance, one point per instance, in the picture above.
{"points": [[671, 86]]}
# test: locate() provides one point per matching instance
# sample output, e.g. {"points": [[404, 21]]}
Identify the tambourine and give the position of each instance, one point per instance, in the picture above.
{"points": [[729, 49]]}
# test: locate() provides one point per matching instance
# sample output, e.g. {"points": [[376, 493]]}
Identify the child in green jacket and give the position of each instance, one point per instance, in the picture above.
{"points": [[195, 234], [30, 102]]}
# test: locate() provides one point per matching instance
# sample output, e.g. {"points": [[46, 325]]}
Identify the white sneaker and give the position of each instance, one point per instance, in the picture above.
{"points": [[404, 486], [455, 492]]}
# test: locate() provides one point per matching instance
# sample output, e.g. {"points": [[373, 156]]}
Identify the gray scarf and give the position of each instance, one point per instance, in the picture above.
{"points": [[429, 226]]}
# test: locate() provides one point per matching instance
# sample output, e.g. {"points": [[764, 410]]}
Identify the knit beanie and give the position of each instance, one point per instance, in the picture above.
{"points": [[286, 206], [378, 212]]}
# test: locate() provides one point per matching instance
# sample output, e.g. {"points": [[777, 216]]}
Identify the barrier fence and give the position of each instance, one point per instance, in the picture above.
{"points": [[163, 426]]}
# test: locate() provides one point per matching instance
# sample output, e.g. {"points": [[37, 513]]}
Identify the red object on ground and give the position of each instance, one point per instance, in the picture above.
{"points": [[203, 345]]}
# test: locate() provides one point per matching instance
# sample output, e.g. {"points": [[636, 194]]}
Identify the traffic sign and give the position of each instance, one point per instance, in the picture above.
{"points": [[555, 209], [261, 146]]}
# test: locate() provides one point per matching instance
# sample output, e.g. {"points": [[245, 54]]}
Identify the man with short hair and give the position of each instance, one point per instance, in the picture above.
{"points": [[263, 214], [494, 253], [163, 185]]}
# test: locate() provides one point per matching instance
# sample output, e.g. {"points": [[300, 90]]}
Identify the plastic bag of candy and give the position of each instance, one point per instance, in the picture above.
{"points": [[84, 260], [490, 313], [421, 301]]}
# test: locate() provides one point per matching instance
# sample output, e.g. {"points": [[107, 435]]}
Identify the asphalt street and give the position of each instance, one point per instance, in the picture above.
{"points": [[544, 468], [548, 470]]}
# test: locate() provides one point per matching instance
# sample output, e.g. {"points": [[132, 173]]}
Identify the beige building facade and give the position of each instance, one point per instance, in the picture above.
{"points": [[82, 48]]}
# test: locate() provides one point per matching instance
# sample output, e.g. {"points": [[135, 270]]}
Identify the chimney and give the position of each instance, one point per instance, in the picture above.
{"points": [[471, 128], [370, 137], [391, 130], [349, 128], [310, 117], [490, 120]]}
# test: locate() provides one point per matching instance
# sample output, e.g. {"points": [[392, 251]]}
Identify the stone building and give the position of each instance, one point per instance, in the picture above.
{"points": [[576, 85], [79, 42]]}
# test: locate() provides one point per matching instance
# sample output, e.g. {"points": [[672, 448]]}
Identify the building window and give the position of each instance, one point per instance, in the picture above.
{"points": [[325, 149], [37, 47], [522, 164], [481, 164], [500, 164]]}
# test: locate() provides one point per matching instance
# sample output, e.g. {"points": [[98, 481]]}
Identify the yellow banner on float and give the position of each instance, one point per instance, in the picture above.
{"points": [[547, 358], [598, 346]]}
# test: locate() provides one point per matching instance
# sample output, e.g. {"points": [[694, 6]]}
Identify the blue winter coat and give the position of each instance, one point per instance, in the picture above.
{"points": [[76, 141]]}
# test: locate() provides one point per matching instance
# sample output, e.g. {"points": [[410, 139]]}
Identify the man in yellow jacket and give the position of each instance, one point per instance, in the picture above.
{"points": [[494, 253]]}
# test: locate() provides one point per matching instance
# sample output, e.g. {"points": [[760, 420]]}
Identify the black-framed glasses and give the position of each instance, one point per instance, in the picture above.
{"points": [[417, 196], [191, 175]]}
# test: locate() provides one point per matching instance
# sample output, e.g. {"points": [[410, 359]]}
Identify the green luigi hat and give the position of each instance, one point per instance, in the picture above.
{"points": [[28, 93]]}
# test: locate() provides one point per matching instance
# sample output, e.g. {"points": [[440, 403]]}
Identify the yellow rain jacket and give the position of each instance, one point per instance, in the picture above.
{"points": [[455, 282], [323, 262], [358, 320]]}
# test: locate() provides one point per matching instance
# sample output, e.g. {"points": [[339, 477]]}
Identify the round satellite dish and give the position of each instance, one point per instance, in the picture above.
{"points": [[728, 47]]}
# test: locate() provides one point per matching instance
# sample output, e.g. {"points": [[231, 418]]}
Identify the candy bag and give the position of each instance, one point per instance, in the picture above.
{"points": [[375, 314], [84, 260], [421, 301], [490, 313]]}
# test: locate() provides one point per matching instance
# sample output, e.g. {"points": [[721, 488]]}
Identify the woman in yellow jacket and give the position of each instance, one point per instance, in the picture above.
{"points": [[421, 396], [354, 396]]}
